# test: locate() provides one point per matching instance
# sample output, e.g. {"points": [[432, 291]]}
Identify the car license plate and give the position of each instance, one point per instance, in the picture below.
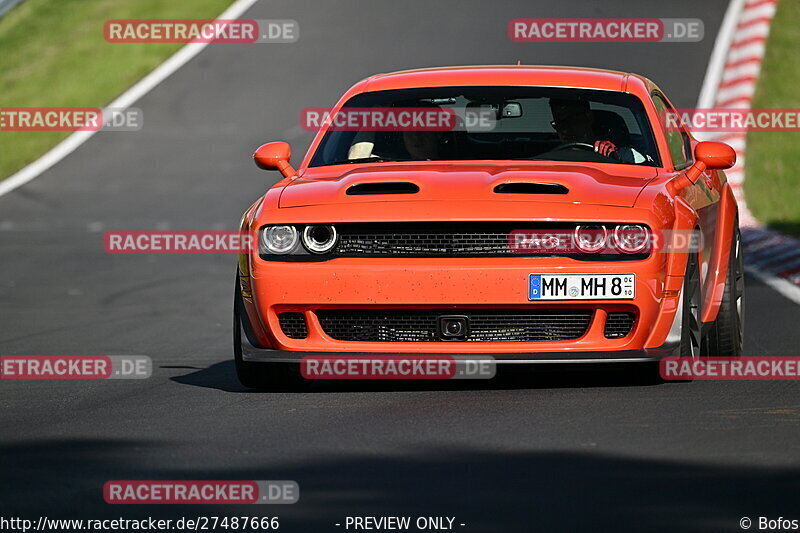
{"points": [[582, 286]]}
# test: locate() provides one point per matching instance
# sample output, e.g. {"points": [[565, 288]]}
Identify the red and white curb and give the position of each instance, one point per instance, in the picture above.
{"points": [[730, 82], [774, 259], [732, 77]]}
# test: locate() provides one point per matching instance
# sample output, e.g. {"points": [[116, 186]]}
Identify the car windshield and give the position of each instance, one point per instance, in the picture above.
{"points": [[489, 123]]}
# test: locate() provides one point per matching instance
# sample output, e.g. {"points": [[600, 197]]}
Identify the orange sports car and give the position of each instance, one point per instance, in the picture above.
{"points": [[537, 214]]}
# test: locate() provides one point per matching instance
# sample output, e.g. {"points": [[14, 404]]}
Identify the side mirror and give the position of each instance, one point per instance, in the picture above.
{"points": [[707, 155], [275, 156], [715, 155]]}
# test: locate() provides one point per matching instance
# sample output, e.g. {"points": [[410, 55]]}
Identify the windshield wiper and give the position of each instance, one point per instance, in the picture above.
{"points": [[366, 160]]}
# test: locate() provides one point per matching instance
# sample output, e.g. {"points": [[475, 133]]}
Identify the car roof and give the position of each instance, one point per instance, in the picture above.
{"points": [[524, 75]]}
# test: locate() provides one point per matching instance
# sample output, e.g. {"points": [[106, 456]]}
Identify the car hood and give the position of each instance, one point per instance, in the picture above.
{"points": [[561, 183]]}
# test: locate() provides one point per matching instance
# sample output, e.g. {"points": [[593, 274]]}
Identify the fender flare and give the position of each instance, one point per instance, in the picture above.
{"points": [[256, 334], [727, 221], [686, 220]]}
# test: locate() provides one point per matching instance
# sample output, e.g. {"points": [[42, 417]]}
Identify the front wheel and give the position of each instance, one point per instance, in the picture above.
{"points": [[725, 337]]}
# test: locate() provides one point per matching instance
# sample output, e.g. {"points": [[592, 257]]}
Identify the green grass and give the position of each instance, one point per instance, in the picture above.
{"points": [[772, 185], [53, 54]]}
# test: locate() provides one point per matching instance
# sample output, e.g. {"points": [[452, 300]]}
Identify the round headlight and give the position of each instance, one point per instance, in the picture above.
{"points": [[279, 239], [590, 238], [319, 239], [631, 238]]}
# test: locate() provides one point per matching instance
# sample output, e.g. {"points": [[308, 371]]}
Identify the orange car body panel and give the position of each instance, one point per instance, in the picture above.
{"points": [[599, 192]]}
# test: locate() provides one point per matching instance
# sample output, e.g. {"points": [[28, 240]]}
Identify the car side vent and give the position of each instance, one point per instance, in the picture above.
{"points": [[530, 188], [394, 187]]}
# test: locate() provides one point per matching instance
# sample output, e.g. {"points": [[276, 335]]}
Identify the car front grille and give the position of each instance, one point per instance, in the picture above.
{"points": [[456, 239], [423, 325], [431, 244], [619, 325], [293, 325]]}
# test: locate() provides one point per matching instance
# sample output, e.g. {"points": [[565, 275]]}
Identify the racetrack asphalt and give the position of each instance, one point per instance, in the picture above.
{"points": [[533, 452]]}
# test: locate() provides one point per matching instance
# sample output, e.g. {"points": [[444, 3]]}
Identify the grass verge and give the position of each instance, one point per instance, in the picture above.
{"points": [[53, 54], [772, 185]]}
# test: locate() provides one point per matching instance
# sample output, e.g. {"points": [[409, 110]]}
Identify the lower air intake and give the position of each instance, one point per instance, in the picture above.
{"points": [[619, 325], [482, 325], [293, 325]]}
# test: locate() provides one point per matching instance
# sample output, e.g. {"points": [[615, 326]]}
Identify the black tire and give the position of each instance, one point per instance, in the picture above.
{"points": [[274, 377], [691, 331], [725, 336]]}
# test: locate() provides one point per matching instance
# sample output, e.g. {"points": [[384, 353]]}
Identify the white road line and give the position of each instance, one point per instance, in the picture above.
{"points": [[128, 98], [708, 92], [781, 285]]}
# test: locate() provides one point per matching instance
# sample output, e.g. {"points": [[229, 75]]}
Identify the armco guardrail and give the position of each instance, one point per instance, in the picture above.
{"points": [[6, 5]]}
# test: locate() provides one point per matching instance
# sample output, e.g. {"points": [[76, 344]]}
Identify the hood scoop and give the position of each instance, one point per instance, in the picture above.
{"points": [[520, 187], [457, 184], [387, 187]]}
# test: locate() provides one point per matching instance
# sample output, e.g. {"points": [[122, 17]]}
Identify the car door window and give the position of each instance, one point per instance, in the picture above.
{"points": [[680, 146]]}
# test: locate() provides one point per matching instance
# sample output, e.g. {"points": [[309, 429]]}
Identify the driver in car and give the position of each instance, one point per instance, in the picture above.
{"points": [[574, 123], [422, 145]]}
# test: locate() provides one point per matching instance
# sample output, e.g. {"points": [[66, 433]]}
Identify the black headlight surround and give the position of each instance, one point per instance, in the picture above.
{"points": [[346, 230], [299, 252]]}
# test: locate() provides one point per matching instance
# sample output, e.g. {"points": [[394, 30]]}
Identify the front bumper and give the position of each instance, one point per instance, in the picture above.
{"points": [[252, 354], [445, 284]]}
